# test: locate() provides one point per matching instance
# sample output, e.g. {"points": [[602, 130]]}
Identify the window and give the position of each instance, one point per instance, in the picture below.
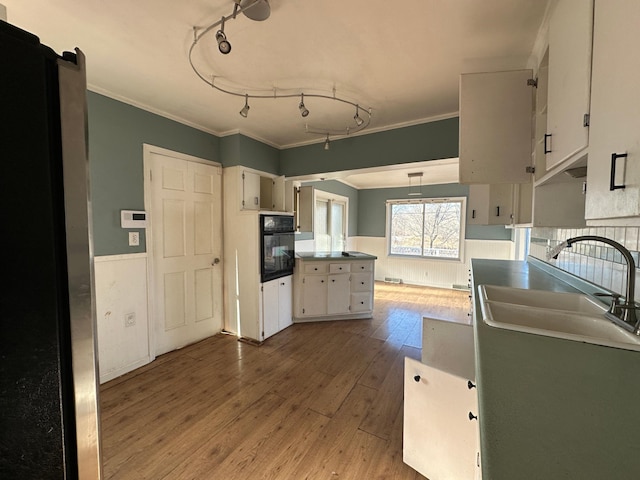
{"points": [[330, 224], [430, 228]]}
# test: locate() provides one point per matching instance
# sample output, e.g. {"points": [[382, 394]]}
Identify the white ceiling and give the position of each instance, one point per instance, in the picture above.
{"points": [[402, 59]]}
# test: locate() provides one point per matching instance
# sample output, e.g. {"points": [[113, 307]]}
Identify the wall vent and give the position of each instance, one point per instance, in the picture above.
{"points": [[392, 280]]}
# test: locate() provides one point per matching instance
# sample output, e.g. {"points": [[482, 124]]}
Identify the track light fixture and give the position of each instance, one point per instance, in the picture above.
{"points": [[356, 117], [245, 110], [259, 10], [303, 110], [223, 45]]}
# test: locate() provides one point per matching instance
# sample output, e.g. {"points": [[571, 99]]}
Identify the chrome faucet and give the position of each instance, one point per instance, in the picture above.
{"points": [[626, 311]]}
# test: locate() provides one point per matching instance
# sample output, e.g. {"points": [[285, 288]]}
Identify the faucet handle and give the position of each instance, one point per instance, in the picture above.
{"points": [[615, 301]]}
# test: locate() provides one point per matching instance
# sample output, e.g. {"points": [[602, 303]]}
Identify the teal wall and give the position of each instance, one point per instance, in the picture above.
{"points": [[117, 132], [372, 213], [428, 141], [242, 150]]}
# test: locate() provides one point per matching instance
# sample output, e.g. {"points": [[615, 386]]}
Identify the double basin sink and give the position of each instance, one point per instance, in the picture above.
{"points": [[570, 316]]}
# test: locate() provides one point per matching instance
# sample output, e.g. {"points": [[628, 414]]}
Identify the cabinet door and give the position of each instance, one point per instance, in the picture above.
{"points": [[339, 297], [314, 295], [500, 204], [478, 208], [250, 190], [362, 282], [278, 194], [304, 209], [439, 440], [615, 122], [495, 127], [285, 294], [270, 308], [570, 39]]}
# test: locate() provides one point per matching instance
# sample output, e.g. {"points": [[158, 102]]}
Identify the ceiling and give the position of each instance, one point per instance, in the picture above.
{"points": [[401, 59]]}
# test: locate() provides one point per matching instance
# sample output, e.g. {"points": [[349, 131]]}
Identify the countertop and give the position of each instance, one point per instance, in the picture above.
{"points": [[335, 256], [552, 408]]}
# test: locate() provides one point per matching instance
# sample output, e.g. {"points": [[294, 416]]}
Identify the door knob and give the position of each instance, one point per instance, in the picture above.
{"points": [[215, 261]]}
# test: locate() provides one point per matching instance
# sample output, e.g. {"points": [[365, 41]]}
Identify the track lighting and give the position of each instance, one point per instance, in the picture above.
{"points": [[357, 118], [303, 110], [260, 10], [245, 110]]}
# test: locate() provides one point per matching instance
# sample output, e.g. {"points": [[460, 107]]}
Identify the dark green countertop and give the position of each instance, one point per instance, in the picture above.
{"points": [[551, 408], [335, 256]]}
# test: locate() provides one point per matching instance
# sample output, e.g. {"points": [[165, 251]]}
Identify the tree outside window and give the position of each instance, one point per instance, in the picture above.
{"points": [[426, 228]]}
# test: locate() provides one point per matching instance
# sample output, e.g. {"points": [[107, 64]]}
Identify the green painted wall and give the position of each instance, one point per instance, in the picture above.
{"points": [[242, 150], [117, 132], [372, 213], [428, 141]]}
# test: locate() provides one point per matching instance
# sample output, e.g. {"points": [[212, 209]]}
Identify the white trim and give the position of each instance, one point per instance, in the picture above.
{"points": [[148, 149], [125, 369], [368, 131], [461, 241], [124, 256]]}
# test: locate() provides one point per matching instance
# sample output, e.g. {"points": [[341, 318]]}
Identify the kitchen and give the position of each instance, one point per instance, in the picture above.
{"points": [[117, 131]]}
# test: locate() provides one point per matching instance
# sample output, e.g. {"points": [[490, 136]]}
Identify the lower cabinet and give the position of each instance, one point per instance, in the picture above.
{"points": [[333, 289], [440, 431], [276, 306]]}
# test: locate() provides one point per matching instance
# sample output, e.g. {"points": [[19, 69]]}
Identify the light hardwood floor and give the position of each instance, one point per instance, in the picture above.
{"points": [[316, 401]]}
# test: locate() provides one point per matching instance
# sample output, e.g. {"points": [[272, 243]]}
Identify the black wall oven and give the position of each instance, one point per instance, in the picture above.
{"points": [[277, 238]]}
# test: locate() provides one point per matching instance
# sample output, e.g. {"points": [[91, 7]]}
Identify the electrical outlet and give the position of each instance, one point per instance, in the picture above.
{"points": [[134, 239], [129, 319]]}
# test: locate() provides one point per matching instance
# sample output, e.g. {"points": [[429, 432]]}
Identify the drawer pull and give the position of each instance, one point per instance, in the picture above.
{"points": [[472, 416], [333, 280], [416, 378], [470, 385], [361, 303], [614, 161], [547, 145], [362, 283]]}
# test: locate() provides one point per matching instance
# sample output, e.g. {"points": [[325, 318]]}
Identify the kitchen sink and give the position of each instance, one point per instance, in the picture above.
{"points": [[570, 316]]}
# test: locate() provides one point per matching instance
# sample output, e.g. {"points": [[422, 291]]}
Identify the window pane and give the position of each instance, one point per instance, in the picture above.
{"points": [[406, 229], [321, 235], [442, 229], [337, 226]]}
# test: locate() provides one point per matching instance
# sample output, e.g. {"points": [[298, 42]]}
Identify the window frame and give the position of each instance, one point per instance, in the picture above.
{"points": [[331, 198], [463, 216]]}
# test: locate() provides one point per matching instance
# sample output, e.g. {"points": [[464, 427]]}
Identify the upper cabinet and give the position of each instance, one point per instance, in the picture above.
{"points": [[613, 178], [569, 78], [255, 190], [495, 127]]}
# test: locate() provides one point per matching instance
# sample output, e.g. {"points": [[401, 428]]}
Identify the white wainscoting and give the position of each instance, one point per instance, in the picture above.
{"points": [[121, 289], [433, 273]]}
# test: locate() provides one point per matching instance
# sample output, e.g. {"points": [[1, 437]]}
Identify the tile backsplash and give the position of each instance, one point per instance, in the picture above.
{"points": [[596, 262]]}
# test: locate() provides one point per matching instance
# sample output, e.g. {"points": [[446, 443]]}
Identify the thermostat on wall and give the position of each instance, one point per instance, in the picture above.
{"points": [[133, 219]]}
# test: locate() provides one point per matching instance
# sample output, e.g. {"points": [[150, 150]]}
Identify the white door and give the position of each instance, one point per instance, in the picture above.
{"points": [[270, 308], [186, 242]]}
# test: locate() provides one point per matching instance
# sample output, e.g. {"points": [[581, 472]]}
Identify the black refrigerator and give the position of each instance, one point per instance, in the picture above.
{"points": [[49, 423]]}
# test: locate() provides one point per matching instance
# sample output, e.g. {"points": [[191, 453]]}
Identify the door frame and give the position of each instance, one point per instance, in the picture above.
{"points": [[147, 162]]}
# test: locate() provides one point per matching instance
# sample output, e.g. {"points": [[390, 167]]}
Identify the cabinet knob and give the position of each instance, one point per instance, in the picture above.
{"points": [[315, 268], [472, 416], [282, 284], [362, 283], [416, 378], [470, 385], [333, 279], [321, 281], [361, 303]]}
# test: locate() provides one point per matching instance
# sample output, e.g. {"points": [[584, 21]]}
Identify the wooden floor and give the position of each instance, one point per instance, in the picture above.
{"points": [[316, 401]]}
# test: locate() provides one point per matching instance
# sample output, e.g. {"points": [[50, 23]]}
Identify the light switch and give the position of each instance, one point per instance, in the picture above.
{"points": [[134, 239]]}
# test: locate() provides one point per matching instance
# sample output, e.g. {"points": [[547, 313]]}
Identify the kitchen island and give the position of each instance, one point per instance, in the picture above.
{"points": [[333, 286], [552, 407]]}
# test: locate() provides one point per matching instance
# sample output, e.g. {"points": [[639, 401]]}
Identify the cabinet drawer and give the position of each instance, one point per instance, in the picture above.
{"points": [[365, 266], [361, 302], [315, 267], [339, 267], [361, 282]]}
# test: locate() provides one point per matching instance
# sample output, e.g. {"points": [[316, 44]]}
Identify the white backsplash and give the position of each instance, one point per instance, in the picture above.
{"points": [[594, 261]]}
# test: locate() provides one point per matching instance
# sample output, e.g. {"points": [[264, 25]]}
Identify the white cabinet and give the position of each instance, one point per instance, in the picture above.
{"points": [[570, 41], [250, 190], [615, 119], [440, 433], [332, 289], [276, 306], [490, 204], [495, 127], [255, 190]]}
